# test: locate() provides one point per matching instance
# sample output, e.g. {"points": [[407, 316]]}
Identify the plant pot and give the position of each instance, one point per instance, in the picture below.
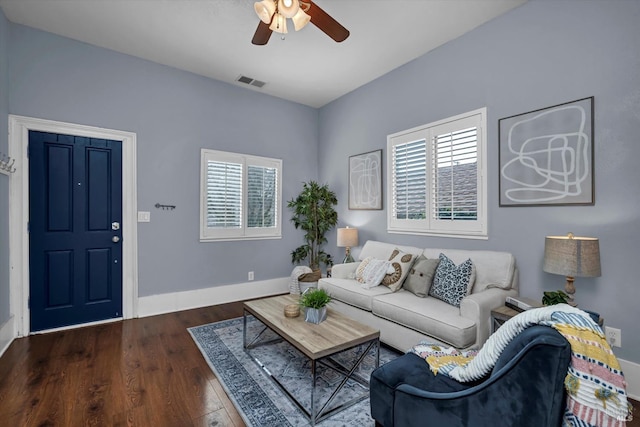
{"points": [[315, 315], [314, 276]]}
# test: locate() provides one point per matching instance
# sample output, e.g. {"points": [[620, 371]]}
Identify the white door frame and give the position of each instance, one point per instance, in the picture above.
{"points": [[19, 128]]}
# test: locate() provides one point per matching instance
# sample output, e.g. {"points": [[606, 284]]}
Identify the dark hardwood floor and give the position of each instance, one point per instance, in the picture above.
{"points": [[140, 372]]}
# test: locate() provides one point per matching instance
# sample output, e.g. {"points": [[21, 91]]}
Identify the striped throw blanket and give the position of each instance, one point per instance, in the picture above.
{"points": [[596, 389]]}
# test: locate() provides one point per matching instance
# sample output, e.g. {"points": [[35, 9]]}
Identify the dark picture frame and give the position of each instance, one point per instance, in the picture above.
{"points": [[546, 156], [365, 181]]}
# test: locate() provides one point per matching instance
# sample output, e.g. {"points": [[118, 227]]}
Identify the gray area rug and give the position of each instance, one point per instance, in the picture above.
{"points": [[258, 400]]}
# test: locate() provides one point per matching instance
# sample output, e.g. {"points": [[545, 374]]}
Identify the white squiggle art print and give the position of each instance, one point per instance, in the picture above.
{"points": [[365, 186], [548, 155]]}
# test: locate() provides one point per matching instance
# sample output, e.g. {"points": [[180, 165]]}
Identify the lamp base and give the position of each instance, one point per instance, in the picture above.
{"points": [[570, 289], [347, 257]]}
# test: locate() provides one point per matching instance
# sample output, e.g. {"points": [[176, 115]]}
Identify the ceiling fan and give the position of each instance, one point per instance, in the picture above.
{"points": [[273, 16]]}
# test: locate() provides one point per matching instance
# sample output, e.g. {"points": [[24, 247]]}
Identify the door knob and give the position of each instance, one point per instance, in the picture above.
{"points": [[115, 239]]}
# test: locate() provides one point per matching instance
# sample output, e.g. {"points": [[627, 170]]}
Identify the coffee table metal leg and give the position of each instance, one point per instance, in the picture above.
{"points": [[244, 328], [256, 340], [313, 393], [348, 374], [316, 414]]}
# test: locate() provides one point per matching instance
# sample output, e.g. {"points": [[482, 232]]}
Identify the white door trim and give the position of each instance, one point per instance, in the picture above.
{"points": [[19, 128]]}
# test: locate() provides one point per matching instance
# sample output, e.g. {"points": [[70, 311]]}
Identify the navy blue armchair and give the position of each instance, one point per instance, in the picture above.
{"points": [[525, 388]]}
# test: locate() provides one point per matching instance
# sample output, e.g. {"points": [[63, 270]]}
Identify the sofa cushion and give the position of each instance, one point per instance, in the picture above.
{"points": [[401, 262], [371, 271], [383, 250], [452, 282], [420, 277], [350, 292], [493, 269], [429, 316]]}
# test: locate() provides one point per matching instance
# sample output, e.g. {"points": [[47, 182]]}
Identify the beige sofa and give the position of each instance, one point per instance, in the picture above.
{"points": [[404, 319]]}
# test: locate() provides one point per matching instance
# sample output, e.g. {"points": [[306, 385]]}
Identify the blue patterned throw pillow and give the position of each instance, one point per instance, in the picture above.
{"points": [[451, 283]]}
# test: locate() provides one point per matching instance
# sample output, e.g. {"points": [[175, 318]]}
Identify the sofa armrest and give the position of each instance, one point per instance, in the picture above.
{"points": [[344, 271], [478, 306]]}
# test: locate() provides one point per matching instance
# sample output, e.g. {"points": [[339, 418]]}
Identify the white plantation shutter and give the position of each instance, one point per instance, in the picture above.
{"points": [[224, 195], [261, 197], [437, 179], [409, 180], [240, 196], [454, 175]]}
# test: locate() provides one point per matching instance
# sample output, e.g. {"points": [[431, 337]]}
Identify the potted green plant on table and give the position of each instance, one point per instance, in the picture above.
{"points": [[554, 297], [560, 297], [314, 213], [314, 301]]}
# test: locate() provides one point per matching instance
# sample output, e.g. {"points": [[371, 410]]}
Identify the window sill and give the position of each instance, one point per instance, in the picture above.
{"points": [[233, 239], [476, 236]]}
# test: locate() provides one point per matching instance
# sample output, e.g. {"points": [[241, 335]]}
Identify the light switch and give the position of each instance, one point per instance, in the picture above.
{"points": [[144, 216]]}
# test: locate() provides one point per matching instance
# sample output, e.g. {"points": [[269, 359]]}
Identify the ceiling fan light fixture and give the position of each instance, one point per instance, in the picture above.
{"points": [[300, 19], [273, 16], [279, 24], [288, 8], [265, 10]]}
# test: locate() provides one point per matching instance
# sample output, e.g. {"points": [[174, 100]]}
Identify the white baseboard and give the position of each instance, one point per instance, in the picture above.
{"points": [[177, 301], [631, 372], [7, 335]]}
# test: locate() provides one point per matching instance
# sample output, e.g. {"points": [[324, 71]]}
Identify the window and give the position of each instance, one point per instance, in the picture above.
{"points": [[437, 180], [239, 196]]}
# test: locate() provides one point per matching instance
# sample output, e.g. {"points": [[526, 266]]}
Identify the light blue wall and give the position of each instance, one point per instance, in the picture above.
{"points": [[174, 114], [538, 55], [4, 180]]}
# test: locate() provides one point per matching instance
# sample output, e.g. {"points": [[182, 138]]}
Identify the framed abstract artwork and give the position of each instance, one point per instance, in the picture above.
{"points": [[546, 156], [365, 181]]}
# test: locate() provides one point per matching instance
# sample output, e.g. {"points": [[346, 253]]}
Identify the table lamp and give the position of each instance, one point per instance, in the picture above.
{"points": [[347, 237], [572, 256]]}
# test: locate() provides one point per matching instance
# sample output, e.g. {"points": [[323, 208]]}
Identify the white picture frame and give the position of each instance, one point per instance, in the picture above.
{"points": [[365, 181]]}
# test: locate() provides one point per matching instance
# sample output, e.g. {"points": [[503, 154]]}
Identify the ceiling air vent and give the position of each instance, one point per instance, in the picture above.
{"points": [[250, 81]]}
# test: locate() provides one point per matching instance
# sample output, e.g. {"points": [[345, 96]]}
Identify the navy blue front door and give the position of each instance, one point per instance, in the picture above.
{"points": [[75, 228]]}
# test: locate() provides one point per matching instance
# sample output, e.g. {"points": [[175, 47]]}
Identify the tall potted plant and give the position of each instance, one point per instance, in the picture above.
{"points": [[314, 213]]}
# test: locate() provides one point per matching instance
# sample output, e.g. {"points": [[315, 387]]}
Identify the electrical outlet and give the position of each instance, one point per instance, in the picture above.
{"points": [[250, 275], [614, 336]]}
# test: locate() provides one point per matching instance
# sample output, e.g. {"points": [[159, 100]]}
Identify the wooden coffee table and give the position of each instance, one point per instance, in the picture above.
{"points": [[318, 343]]}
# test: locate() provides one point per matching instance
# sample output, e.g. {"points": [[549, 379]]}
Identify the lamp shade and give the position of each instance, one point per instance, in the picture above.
{"points": [[572, 256], [288, 8], [347, 237], [265, 9], [300, 19]]}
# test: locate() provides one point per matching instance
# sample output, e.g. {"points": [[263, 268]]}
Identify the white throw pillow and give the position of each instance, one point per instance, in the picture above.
{"points": [[371, 271], [401, 262]]}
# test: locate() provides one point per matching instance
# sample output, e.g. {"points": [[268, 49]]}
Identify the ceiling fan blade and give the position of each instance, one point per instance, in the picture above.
{"points": [[262, 35], [326, 23]]}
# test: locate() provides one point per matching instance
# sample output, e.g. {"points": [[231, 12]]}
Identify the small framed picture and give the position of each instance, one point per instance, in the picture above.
{"points": [[365, 181]]}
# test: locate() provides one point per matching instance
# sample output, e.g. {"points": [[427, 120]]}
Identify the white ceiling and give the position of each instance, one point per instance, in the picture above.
{"points": [[213, 37]]}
